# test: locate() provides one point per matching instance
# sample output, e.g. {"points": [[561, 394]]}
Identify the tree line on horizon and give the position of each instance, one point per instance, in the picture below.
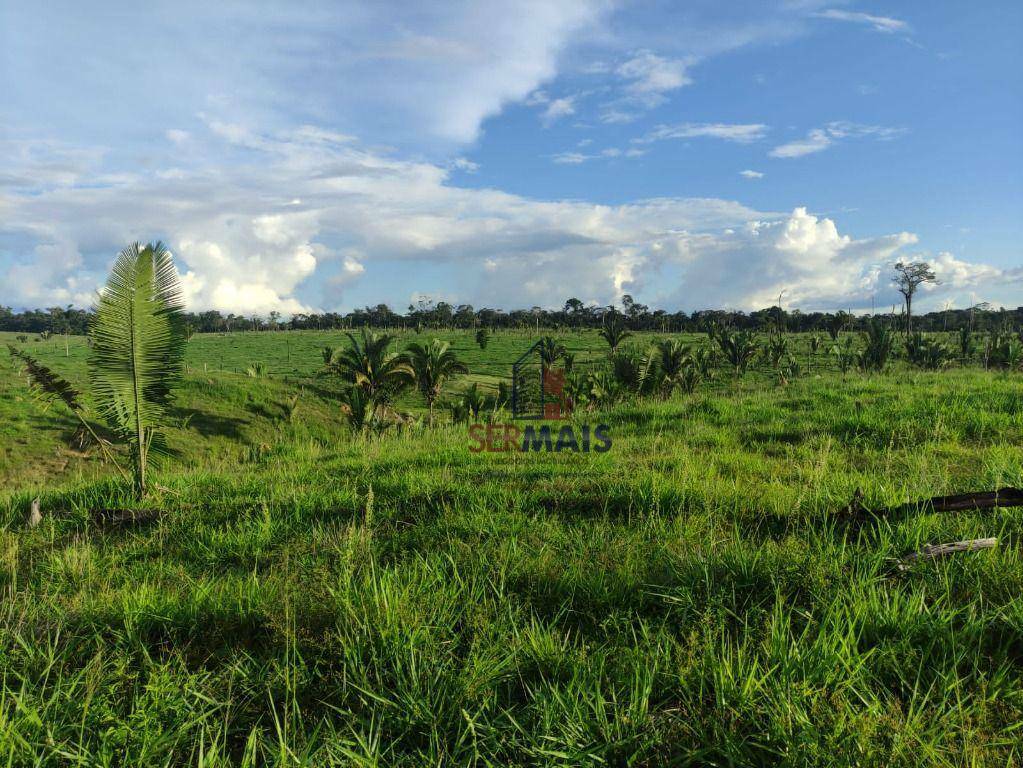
{"points": [[427, 315]]}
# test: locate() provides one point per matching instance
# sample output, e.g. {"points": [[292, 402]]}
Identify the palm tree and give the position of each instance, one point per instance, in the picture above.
{"points": [[357, 408], [846, 354], [472, 401], [432, 365], [550, 351], [703, 360], [815, 345], [776, 350], [613, 331], [836, 323], [675, 366], [739, 348], [880, 344], [138, 346], [368, 365]]}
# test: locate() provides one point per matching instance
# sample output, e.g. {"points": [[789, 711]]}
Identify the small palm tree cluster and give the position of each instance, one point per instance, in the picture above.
{"points": [[593, 390], [738, 347], [1002, 350], [878, 349], [667, 367], [845, 354], [928, 352], [965, 343], [778, 358], [671, 366], [776, 351], [550, 351], [814, 348], [879, 343], [375, 375], [474, 405]]}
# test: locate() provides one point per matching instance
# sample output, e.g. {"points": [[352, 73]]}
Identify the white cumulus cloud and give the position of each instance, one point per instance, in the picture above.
{"points": [[306, 218]]}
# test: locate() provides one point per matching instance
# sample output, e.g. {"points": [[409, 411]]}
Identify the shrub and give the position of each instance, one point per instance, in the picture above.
{"points": [[776, 350], [880, 342], [739, 349], [927, 352], [845, 354], [704, 359], [1003, 351], [357, 406]]}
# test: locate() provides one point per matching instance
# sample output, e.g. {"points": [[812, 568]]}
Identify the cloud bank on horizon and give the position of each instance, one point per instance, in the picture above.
{"points": [[334, 155]]}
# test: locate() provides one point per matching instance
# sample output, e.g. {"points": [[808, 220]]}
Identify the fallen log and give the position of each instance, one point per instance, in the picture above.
{"points": [[960, 502], [118, 516], [1003, 497], [935, 551]]}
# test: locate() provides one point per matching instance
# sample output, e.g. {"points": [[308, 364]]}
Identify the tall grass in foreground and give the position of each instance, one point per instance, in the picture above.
{"points": [[691, 597]]}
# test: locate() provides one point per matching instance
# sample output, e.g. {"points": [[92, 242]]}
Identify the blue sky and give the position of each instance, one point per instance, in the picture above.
{"points": [[328, 155]]}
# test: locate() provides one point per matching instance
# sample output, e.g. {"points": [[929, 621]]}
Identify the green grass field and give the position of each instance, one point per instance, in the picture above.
{"points": [[694, 596]]}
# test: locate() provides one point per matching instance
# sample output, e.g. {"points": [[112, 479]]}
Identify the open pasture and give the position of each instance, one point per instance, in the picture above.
{"points": [[312, 596]]}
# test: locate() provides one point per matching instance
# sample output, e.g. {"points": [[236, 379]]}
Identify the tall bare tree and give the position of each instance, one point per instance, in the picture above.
{"points": [[909, 276]]}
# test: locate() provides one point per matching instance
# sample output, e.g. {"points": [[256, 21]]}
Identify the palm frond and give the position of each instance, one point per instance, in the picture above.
{"points": [[138, 345]]}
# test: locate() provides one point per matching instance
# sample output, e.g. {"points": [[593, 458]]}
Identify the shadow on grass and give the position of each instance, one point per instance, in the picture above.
{"points": [[209, 424]]}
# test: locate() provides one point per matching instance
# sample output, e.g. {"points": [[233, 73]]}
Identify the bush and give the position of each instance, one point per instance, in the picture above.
{"points": [[927, 352], [845, 354], [880, 343], [739, 349], [1003, 351], [776, 350]]}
